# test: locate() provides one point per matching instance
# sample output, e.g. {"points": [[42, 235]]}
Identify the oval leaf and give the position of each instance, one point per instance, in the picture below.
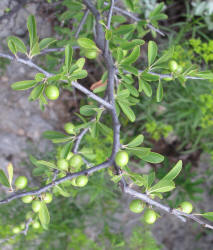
{"points": [[152, 52], [22, 85]]}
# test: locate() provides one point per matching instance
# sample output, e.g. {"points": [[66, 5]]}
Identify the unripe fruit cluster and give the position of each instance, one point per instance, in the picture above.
{"points": [[137, 206], [80, 181], [74, 162]]}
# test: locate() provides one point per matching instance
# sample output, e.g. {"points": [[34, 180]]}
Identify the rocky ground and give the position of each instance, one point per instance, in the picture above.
{"points": [[22, 123]]}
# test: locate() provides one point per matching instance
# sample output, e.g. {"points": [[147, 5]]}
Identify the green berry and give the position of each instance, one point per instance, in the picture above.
{"points": [[16, 230], [150, 216], [73, 182], [62, 164], [179, 69], [121, 158], [69, 128], [36, 225], [186, 207], [21, 182], [81, 181], [91, 54], [22, 226], [136, 206], [36, 206], [52, 92], [173, 66], [76, 162], [48, 197], [27, 199]]}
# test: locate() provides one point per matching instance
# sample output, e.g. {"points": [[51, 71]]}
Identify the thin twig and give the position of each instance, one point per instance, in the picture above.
{"points": [[83, 20], [109, 18]]}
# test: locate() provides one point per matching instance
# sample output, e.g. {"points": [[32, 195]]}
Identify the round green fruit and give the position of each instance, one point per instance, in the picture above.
{"points": [[186, 207], [121, 158], [22, 226], [36, 225], [179, 69], [69, 128], [36, 206], [150, 216], [16, 230], [76, 162], [48, 197], [27, 199], [136, 206], [62, 164], [173, 66], [81, 181], [21, 182], [52, 92], [91, 54], [73, 182]]}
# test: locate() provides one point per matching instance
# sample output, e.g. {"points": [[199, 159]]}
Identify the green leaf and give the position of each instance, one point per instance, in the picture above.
{"points": [[149, 77], [47, 164], [162, 186], [208, 216], [34, 161], [123, 94], [174, 172], [39, 77], [153, 157], [124, 29], [44, 216], [127, 111], [12, 47], [148, 180], [165, 57], [68, 57], [140, 152], [133, 91], [3, 179], [152, 52], [136, 142], [116, 178], [130, 45], [80, 63], [132, 57], [62, 191], [157, 10], [31, 25], [35, 50], [20, 46], [159, 95], [44, 43], [36, 92], [65, 150], [22, 85], [88, 110], [53, 135], [78, 74], [87, 43], [130, 69], [146, 88], [10, 173]]}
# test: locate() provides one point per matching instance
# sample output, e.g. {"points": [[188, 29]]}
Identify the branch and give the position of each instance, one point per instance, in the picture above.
{"points": [[109, 18], [83, 20], [127, 13], [47, 74]]}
